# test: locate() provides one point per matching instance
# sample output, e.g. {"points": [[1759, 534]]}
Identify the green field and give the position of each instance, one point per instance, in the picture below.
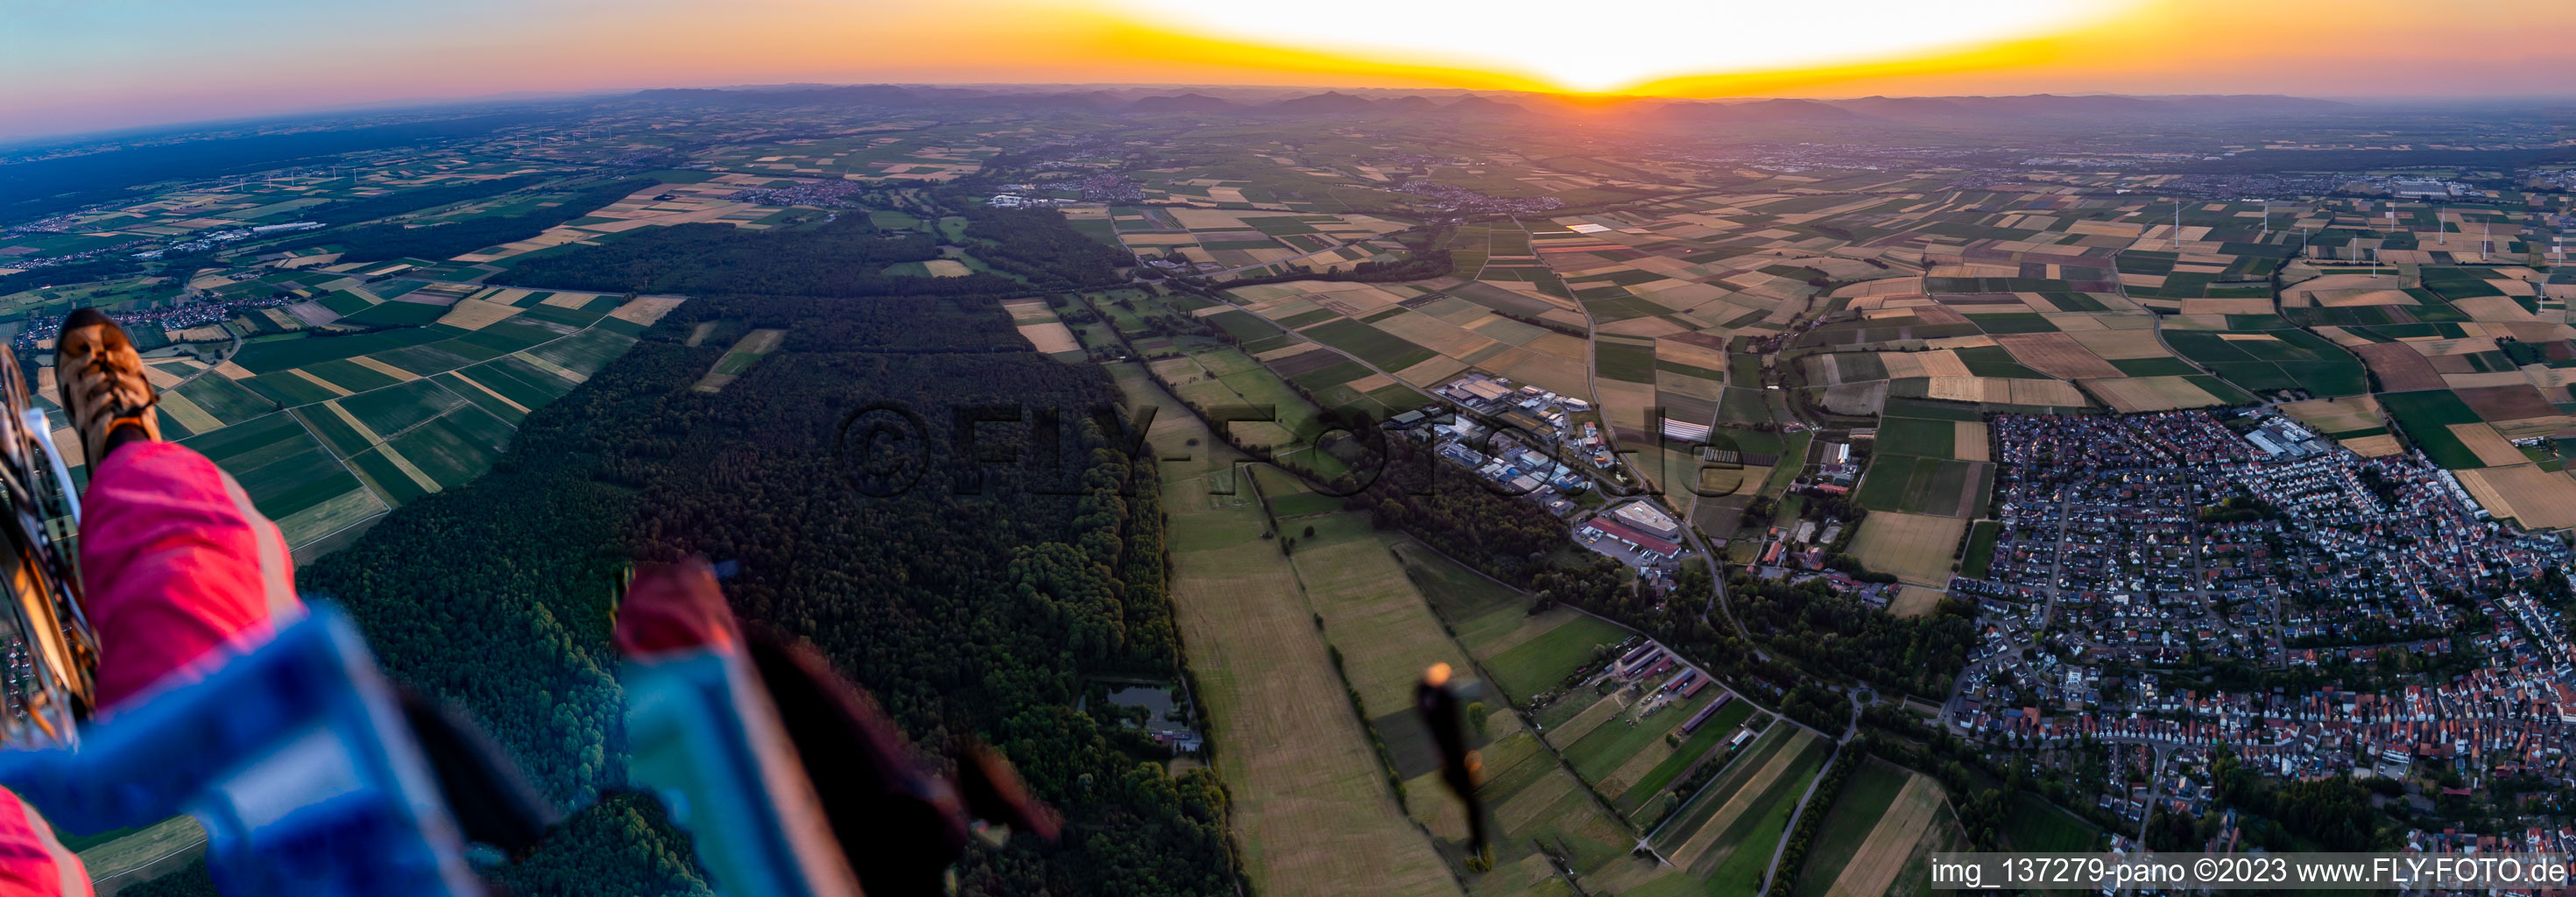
{"points": [[1643, 796], [2041, 827], [1866, 796], [1747, 760], [355, 439], [2290, 359], [1755, 836], [1914, 485], [1728, 835], [393, 313], [1602, 750], [1917, 437], [278, 355], [1377, 347], [284, 469], [2426, 416], [1539, 663], [1619, 360], [1981, 549], [228, 401]]}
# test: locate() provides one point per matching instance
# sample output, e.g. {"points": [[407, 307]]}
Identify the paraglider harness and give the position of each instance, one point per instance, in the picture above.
{"points": [[314, 774]]}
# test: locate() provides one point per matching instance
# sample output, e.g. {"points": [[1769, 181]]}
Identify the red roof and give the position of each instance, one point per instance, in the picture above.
{"points": [[1633, 536]]}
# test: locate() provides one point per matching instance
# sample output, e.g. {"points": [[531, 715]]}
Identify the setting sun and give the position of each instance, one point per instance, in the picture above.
{"points": [[1597, 48]]}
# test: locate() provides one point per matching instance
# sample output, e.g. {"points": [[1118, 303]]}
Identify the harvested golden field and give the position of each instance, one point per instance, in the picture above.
{"points": [[2057, 355], [2120, 344], [1969, 389], [2536, 498], [2380, 446], [2135, 394], [646, 310], [2342, 415], [2492, 450], [1971, 442], [1915, 601], [1937, 363], [1916, 548], [1891, 841], [1311, 807], [476, 314]]}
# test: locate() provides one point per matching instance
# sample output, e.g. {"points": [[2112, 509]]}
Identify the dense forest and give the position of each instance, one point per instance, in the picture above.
{"points": [[968, 612], [846, 256], [395, 240], [1039, 247], [1827, 631]]}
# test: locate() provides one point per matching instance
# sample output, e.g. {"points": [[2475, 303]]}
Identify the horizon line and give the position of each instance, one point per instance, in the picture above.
{"points": [[535, 96]]}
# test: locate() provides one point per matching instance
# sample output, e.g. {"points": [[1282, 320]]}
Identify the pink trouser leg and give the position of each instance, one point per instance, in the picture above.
{"points": [[174, 563], [31, 860]]}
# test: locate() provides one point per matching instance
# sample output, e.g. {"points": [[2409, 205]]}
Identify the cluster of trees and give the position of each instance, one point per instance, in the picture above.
{"points": [[972, 604], [1825, 630], [2330, 814], [395, 240], [1041, 248], [1506, 537], [844, 257]]}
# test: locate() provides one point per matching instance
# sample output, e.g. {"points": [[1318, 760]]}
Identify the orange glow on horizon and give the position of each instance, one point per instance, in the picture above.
{"points": [[143, 61], [1635, 47]]}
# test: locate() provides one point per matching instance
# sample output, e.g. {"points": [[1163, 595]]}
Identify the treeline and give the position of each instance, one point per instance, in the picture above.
{"points": [[973, 599], [1829, 788], [376, 242]]}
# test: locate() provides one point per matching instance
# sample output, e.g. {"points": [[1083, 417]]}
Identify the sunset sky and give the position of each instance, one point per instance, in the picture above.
{"points": [[80, 65]]}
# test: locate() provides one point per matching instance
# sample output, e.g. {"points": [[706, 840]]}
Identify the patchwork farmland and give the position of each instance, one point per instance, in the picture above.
{"points": [[327, 428]]}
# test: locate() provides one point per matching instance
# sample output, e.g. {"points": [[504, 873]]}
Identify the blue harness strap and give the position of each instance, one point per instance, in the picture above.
{"points": [[296, 758]]}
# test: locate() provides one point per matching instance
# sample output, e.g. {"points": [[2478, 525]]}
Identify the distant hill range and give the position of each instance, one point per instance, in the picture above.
{"points": [[1270, 102]]}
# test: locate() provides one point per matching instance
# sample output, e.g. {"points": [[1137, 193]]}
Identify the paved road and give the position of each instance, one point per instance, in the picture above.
{"points": [[1773, 871]]}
